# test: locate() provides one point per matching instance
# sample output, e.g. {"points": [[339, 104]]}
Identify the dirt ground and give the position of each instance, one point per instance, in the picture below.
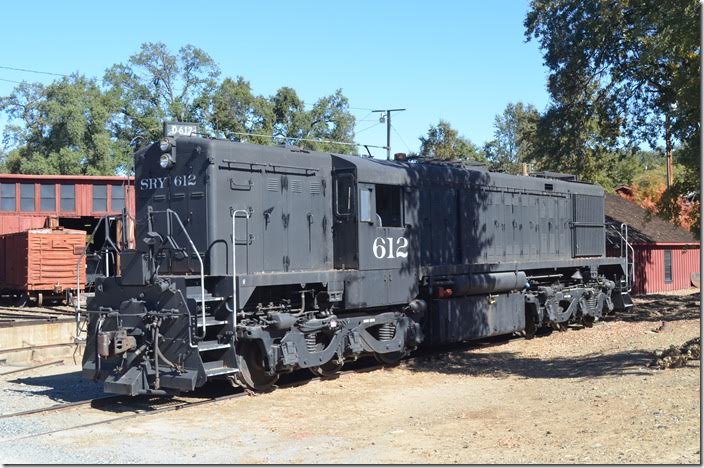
{"points": [[580, 396]]}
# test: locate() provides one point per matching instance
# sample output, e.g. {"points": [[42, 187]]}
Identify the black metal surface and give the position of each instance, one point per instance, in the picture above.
{"points": [[331, 254]]}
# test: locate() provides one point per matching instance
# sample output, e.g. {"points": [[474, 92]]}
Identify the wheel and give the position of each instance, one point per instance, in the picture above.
{"points": [[40, 299], [21, 300], [390, 359], [329, 369], [252, 373]]}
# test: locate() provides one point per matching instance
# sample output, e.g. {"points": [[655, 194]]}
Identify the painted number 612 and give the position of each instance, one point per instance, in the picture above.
{"points": [[388, 247]]}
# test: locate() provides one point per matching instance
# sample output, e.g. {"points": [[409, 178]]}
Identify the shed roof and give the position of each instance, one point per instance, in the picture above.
{"points": [[644, 227]]}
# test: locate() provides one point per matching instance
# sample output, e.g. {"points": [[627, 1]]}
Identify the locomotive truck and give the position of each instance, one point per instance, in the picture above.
{"points": [[253, 261]]}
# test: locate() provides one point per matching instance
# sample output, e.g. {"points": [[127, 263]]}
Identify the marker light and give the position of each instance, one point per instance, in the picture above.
{"points": [[164, 145], [165, 161]]}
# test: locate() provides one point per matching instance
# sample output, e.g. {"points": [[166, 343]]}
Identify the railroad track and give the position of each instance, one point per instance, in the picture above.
{"points": [[60, 406], [178, 403]]}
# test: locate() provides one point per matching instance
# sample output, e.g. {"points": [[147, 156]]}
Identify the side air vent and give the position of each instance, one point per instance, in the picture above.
{"points": [[315, 187], [273, 184]]}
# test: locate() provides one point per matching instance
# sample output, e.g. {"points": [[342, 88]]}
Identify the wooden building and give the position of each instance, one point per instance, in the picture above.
{"points": [[665, 255], [29, 201]]}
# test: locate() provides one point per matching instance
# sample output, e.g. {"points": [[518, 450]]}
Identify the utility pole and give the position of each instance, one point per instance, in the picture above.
{"points": [[388, 128], [668, 149]]}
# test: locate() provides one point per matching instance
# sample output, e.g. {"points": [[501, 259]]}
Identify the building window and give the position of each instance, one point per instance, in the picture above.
{"points": [[100, 198], [8, 197], [668, 266], [47, 201], [118, 197], [388, 205], [68, 197], [27, 197]]}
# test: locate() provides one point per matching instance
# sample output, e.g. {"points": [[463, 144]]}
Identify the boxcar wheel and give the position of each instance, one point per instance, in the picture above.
{"points": [[21, 300], [252, 372]]}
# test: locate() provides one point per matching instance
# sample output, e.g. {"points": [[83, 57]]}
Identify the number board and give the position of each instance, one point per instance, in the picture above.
{"points": [[174, 129]]}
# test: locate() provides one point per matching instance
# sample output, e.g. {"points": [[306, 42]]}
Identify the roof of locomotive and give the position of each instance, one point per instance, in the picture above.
{"points": [[379, 171]]}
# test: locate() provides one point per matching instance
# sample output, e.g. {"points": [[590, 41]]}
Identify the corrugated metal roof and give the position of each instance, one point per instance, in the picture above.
{"points": [[643, 226]]}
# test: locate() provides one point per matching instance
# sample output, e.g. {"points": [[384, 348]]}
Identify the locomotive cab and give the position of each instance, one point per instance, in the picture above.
{"points": [[375, 230]]}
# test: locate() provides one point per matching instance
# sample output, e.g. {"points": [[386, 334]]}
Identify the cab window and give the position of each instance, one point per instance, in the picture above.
{"points": [[389, 206], [344, 188], [365, 205]]}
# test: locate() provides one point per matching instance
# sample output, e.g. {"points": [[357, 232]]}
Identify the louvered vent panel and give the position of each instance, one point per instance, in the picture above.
{"points": [[273, 184], [315, 187]]}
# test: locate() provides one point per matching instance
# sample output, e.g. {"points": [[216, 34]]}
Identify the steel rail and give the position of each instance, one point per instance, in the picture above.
{"points": [[46, 364], [166, 409], [133, 415], [185, 405], [60, 406], [30, 348]]}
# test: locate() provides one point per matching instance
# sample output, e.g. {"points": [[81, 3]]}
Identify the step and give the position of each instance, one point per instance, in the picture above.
{"points": [[210, 321], [211, 345], [214, 368], [628, 303]]}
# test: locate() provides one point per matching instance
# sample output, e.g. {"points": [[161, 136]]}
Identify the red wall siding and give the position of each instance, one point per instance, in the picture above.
{"points": [[650, 267], [15, 221], [41, 259]]}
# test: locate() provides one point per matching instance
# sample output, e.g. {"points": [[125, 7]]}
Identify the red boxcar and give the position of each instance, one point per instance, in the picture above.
{"points": [[27, 201], [42, 262]]}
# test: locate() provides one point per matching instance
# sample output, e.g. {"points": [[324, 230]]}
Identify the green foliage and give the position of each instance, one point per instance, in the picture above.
{"points": [[329, 119], [514, 137], [618, 70], [75, 126], [62, 128], [236, 111], [444, 142], [156, 85]]}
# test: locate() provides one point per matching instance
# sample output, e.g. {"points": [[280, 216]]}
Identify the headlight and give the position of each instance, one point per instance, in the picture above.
{"points": [[164, 145], [165, 161]]}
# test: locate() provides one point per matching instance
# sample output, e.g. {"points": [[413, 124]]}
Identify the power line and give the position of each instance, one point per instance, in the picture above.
{"points": [[402, 140], [27, 70], [371, 126], [314, 140], [11, 81]]}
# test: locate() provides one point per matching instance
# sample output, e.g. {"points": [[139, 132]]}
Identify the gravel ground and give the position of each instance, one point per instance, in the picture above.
{"points": [[580, 396]]}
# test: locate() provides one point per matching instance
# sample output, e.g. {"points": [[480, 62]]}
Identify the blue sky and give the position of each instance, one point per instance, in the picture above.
{"points": [[462, 61]]}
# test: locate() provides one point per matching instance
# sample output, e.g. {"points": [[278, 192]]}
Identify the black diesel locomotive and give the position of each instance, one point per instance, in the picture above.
{"points": [[253, 261]]}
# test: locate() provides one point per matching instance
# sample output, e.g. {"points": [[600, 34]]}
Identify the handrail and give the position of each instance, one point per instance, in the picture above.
{"points": [[171, 212], [623, 234], [234, 272], [78, 268]]}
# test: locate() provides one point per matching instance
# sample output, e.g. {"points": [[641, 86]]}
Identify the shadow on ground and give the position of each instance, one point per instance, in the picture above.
{"points": [[500, 364], [661, 307], [67, 387]]}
